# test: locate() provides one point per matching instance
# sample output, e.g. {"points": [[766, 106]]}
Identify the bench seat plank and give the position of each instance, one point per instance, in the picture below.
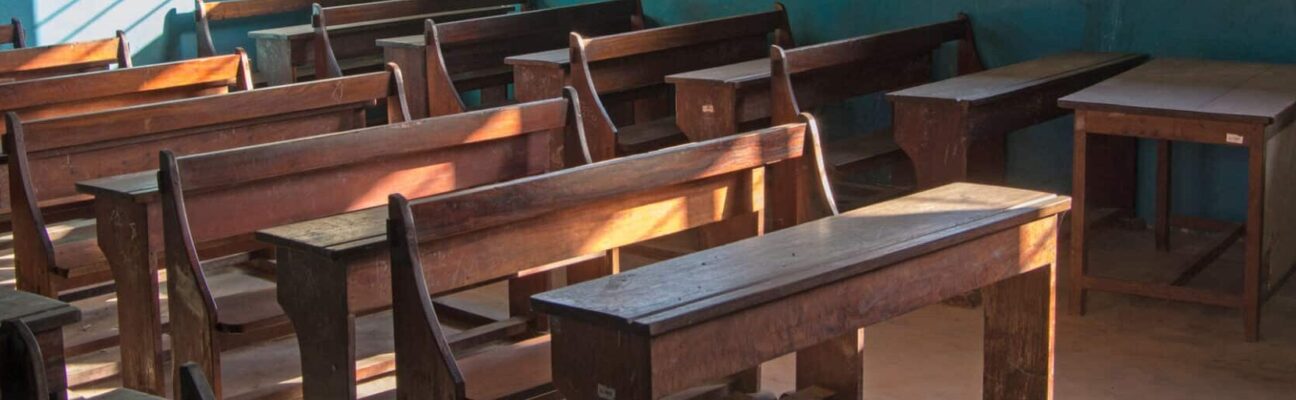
{"points": [[755, 271]]}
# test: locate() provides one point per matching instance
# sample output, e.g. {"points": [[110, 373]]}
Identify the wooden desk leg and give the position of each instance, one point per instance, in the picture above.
{"points": [[934, 136], [1163, 196], [1019, 325], [706, 112], [1254, 239], [836, 365], [274, 61], [51, 346], [1079, 261], [124, 229], [313, 293], [532, 84]]}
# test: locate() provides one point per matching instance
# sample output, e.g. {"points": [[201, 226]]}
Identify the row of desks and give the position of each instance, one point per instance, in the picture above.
{"points": [[129, 214]]}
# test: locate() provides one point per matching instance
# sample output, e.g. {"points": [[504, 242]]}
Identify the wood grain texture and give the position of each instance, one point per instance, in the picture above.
{"points": [[899, 228], [992, 84], [1211, 90], [636, 362]]}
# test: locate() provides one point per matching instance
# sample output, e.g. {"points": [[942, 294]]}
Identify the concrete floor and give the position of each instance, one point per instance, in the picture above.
{"points": [[1125, 348]]}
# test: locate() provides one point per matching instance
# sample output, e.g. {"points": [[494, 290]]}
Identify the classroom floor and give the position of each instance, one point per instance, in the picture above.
{"points": [[1125, 348]]}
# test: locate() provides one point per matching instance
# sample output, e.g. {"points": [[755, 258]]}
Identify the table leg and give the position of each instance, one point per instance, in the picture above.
{"points": [[123, 228], [313, 293], [274, 61], [836, 365], [1254, 240], [935, 138], [1079, 258], [1019, 327], [1163, 196]]}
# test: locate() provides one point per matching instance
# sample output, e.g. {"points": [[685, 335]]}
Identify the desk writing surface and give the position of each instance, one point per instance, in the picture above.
{"points": [[555, 57], [335, 236], [138, 185], [1219, 90], [404, 41], [733, 74], [687, 290], [991, 84], [38, 312]]}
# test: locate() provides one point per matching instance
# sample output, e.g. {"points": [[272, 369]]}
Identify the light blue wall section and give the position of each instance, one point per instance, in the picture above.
{"points": [[1209, 181]]}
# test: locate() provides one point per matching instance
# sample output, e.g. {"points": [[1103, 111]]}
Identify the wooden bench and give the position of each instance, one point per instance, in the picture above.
{"points": [[43, 320], [64, 59], [96, 91], [206, 12], [955, 129], [345, 37], [452, 241], [810, 289], [456, 57], [13, 34], [52, 158], [829, 73], [205, 204], [628, 106], [24, 376]]}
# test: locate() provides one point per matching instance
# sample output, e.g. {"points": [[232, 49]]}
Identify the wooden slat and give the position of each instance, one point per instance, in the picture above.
{"points": [[210, 71], [658, 39], [544, 20], [1217, 90], [796, 259], [103, 51], [992, 84], [123, 123], [504, 203], [237, 166], [883, 46]]}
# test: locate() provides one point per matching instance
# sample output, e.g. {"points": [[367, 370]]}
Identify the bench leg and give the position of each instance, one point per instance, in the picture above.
{"points": [[313, 293], [1019, 325], [1163, 196], [1251, 277], [51, 346], [836, 365], [123, 231]]}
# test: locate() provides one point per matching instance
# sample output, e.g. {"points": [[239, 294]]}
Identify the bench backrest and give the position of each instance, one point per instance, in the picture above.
{"points": [[233, 193], [615, 71], [63, 59], [834, 71], [13, 34], [48, 157], [458, 240], [207, 11], [382, 20], [23, 377], [482, 44], [95, 91]]}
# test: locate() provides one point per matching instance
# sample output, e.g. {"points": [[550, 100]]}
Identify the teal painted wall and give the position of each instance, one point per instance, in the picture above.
{"points": [[1208, 181]]}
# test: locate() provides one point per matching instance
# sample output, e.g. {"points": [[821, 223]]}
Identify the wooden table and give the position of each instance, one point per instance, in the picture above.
{"points": [[542, 75], [46, 317], [128, 222], [684, 322], [721, 101], [955, 129], [1212, 102]]}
